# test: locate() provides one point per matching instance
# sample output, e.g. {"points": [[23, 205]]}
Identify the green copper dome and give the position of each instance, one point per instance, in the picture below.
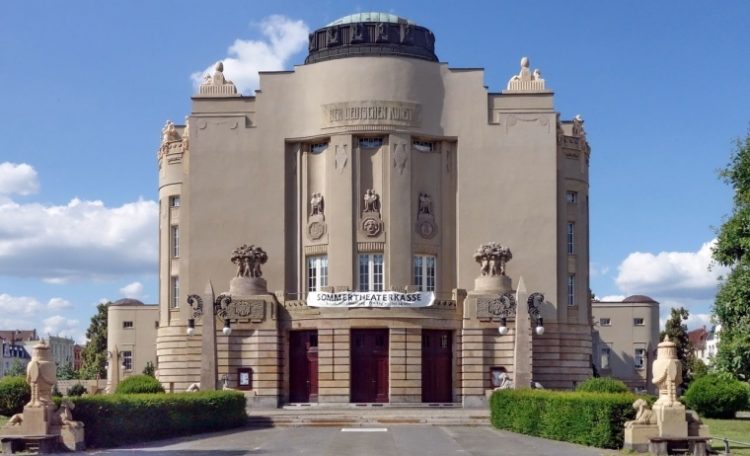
{"points": [[372, 16]]}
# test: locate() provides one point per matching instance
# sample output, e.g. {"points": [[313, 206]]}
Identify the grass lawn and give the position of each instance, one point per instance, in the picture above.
{"points": [[3, 419], [731, 429]]}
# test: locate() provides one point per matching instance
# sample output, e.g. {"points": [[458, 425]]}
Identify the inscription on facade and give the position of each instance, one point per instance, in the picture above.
{"points": [[371, 113]]}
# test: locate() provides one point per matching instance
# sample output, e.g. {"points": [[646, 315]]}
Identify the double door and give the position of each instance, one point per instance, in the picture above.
{"points": [[369, 365]]}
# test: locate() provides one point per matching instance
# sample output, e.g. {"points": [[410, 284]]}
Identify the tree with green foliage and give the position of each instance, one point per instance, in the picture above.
{"points": [[676, 329], [16, 369], [94, 354], [66, 372], [732, 249]]}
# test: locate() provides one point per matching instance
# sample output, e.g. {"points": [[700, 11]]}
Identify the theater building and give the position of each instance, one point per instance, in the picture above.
{"points": [[369, 177]]}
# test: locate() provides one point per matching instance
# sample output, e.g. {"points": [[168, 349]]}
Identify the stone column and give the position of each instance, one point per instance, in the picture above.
{"points": [[208, 341], [398, 212], [522, 349]]}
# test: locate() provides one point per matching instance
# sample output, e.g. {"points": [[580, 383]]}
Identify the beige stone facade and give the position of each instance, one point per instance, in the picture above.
{"points": [[374, 167], [131, 338], [626, 334]]}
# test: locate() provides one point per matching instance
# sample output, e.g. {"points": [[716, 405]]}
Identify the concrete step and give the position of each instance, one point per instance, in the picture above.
{"points": [[346, 417]]}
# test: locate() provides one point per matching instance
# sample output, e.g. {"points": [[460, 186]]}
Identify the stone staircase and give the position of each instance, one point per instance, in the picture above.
{"points": [[368, 416]]}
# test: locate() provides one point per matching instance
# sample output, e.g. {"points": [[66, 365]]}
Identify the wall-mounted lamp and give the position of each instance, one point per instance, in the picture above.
{"points": [[540, 326], [503, 329], [227, 328], [191, 326]]}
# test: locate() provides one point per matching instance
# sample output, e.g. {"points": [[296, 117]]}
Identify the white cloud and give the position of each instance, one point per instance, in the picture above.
{"points": [[283, 37], [671, 274], [80, 240], [132, 290], [611, 298], [18, 178], [60, 326], [59, 304], [17, 306]]}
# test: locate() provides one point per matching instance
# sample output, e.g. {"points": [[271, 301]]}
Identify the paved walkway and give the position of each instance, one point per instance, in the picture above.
{"points": [[411, 440]]}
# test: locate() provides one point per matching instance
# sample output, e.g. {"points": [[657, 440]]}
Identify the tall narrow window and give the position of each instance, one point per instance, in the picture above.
{"points": [[604, 359], [127, 360], [571, 197], [424, 272], [371, 272], [174, 201], [317, 272], [370, 143], [639, 358], [175, 241], [571, 238], [571, 289], [175, 293]]}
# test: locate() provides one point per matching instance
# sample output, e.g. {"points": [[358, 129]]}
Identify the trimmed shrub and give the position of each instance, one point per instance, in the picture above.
{"points": [[76, 390], [593, 419], [139, 384], [14, 394], [603, 385], [118, 419], [716, 396]]}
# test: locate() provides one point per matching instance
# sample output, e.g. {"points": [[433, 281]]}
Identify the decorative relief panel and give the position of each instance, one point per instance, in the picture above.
{"points": [[426, 226], [340, 158], [400, 157], [372, 112], [253, 311], [316, 227], [370, 221], [495, 308]]}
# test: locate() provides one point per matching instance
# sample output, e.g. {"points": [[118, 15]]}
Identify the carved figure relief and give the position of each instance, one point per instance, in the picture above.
{"points": [[217, 84], [644, 414], [526, 80], [496, 308], [316, 230], [492, 258], [371, 222], [426, 226], [227, 308], [357, 32], [534, 304], [186, 134], [382, 30], [340, 158], [249, 259], [169, 133], [578, 131], [316, 205], [333, 35], [404, 33]]}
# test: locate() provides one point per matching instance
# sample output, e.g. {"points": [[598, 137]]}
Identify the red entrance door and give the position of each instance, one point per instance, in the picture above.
{"points": [[303, 366], [369, 365], [437, 357]]}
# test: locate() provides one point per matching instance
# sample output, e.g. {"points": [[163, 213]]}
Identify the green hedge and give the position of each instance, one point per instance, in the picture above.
{"points": [[716, 396], [602, 385], [118, 419], [14, 394], [592, 419], [139, 384]]}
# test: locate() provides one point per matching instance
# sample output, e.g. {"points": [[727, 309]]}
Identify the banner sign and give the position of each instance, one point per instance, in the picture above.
{"points": [[370, 299]]}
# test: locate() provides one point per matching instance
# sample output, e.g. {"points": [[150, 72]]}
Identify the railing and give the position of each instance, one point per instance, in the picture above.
{"points": [[727, 447]]}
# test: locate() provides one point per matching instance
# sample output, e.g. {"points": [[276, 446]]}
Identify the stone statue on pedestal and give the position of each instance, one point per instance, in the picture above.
{"points": [[249, 279], [492, 258]]}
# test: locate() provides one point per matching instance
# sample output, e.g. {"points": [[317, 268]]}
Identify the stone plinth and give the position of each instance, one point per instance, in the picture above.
{"points": [[492, 284], [72, 438], [248, 286], [638, 436], [671, 420]]}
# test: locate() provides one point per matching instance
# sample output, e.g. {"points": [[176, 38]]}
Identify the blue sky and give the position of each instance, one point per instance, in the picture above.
{"points": [[663, 88]]}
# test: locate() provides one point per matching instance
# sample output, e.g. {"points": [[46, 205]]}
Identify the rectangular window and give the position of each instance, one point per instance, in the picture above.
{"points": [[175, 241], [318, 148], [423, 146], [638, 322], [175, 293], [317, 272], [605, 322], [571, 238], [370, 143], [424, 272], [571, 289], [371, 272], [174, 201], [604, 358], [639, 358], [127, 360], [571, 197], [127, 324]]}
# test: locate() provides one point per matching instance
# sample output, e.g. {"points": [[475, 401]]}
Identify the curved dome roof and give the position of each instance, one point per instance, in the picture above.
{"points": [[128, 302], [372, 16], [638, 298]]}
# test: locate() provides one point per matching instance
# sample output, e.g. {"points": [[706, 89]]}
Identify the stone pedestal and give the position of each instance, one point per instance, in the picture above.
{"points": [[638, 436], [671, 420], [248, 286], [492, 284]]}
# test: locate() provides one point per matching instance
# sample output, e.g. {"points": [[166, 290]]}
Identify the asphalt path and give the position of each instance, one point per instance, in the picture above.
{"points": [[411, 440]]}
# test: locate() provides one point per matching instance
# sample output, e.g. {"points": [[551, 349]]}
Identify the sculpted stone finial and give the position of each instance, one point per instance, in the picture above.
{"points": [[41, 374], [492, 258], [667, 371], [248, 259], [217, 84], [525, 80]]}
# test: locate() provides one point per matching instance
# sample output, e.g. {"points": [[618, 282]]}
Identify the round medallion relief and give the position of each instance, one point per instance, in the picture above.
{"points": [[426, 229], [371, 226], [316, 230]]}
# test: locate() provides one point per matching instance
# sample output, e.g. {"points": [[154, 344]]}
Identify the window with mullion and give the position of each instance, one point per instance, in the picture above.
{"points": [[370, 272], [424, 272], [317, 272]]}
